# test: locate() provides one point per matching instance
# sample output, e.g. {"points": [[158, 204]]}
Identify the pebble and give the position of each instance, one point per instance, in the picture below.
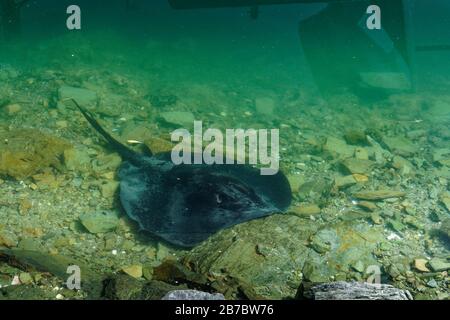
{"points": [[420, 264], [379, 195], [376, 218], [370, 206], [100, 222], [7, 239], [439, 265], [109, 188], [12, 109], [432, 283], [342, 182], [179, 118], [307, 210], [134, 271], [25, 278]]}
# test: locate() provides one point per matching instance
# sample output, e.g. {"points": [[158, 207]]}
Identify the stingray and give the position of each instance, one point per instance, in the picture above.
{"points": [[186, 204]]}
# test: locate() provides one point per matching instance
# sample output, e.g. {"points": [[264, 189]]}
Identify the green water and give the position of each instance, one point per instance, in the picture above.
{"points": [[363, 117]]}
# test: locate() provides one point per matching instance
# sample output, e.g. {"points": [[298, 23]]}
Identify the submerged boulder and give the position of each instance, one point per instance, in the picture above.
{"points": [[274, 255]]}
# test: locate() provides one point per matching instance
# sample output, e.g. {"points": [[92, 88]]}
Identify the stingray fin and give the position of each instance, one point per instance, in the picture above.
{"points": [[124, 151]]}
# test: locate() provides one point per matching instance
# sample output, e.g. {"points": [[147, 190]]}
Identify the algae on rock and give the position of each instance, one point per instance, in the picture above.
{"points": [[26, 152]]}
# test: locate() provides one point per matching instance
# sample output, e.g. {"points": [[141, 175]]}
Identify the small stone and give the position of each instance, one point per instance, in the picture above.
{"points": [[7, 239], [439, 265], [158, 145], [25, 278], [30, 244], [162, 252], [12, 109], [306, 210], [414, 222], [420, 264], [150, 253], [179, 118], [128, 245], [379, 195], [355, 137], [370, 206], [84, 97], [343, 182], [401, 146], [147, 273], [338, 148], [25, 205], [432, 283], [396, 225], [360, 178], [109, 175], [357, 166], [109, 188], [100, 222], [404, 166], [134, 271], [295, 181], [376, 218]]}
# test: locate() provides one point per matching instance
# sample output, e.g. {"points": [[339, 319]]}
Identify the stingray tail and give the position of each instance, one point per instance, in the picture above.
{"points": [[124, 151]]}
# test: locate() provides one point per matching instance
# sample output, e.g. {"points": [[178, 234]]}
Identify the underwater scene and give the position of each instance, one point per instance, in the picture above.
{"points": [[224, 150]]}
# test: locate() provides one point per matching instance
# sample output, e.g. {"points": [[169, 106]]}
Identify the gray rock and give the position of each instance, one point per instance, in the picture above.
{"points": [[357, 166], [400, 146], [342, 182], [338, 148], [100, 222], [358, 291], [7, 239], [179, 118], [439, 265], [192, 295], [379, 195], [82, 96], [272, 255]]}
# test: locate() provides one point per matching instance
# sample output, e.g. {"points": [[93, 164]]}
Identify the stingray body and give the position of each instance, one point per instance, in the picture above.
{"points": [[185, 204]]}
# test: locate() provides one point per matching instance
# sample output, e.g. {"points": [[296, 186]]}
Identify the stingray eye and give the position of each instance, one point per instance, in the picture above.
{"points": [[218, 198]]}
